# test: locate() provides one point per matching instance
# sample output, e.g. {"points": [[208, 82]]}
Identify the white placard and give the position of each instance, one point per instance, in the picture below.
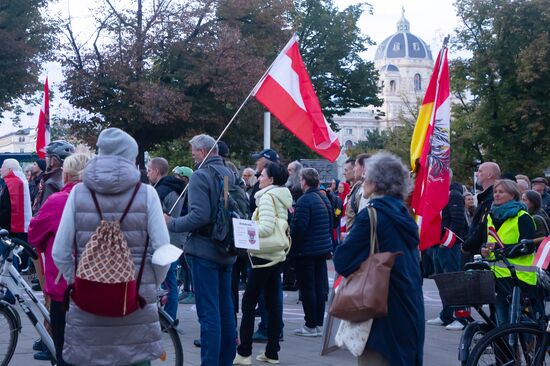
{"points": [[245, 233]]}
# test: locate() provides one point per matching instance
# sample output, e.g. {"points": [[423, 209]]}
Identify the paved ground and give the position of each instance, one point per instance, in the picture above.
{"points": [[440, 345]]}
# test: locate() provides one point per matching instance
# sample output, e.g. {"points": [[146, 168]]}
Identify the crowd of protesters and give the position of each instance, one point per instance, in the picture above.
{"points": [[179, 206]]}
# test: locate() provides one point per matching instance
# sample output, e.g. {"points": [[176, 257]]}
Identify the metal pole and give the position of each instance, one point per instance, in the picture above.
{"points": [[267, 130]]}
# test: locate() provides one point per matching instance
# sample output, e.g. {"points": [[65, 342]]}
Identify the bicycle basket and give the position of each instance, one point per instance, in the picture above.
{"points": [[466, 288]]}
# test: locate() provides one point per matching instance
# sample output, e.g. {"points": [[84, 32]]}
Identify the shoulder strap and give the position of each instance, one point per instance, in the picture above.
{"points": [[324, 204], [96, 203], [373, 237], [141, 300], [541, 218]]}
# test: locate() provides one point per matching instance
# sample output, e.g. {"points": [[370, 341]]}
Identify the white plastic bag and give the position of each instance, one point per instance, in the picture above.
{"points": [[353, 336]]}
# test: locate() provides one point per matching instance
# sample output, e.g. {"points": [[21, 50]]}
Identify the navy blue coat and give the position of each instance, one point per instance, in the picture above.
{"points": [[399, 336], [311, 228]]}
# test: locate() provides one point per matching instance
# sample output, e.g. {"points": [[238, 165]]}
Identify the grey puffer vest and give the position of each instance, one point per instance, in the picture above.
{"points": [[95, 340]]}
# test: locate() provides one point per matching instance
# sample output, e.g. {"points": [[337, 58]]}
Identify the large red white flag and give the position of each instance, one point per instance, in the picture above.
{"points": [[431, 189], [287, 92], [43, 128]]}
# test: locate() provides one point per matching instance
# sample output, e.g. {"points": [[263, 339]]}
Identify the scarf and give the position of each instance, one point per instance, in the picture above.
{"points": [[507, 210]]}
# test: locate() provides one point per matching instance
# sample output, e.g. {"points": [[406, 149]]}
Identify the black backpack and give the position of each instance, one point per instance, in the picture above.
{"points": [[232, 203]]}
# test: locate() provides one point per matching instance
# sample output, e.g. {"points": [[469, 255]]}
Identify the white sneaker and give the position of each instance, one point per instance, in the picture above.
{"points": [[307, 332], [241, 360], [456, 325], [319, 330], [436, 321]]}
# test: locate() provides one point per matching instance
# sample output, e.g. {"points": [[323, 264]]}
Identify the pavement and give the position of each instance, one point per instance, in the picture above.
{"points": [[440, 347]]}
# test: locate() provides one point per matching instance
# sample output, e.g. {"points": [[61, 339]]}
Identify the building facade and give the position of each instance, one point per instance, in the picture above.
{"points": [[405, 64], [22, 141]]}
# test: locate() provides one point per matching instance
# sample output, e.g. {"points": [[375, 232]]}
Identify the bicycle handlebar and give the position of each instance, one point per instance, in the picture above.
{"points": [[26, 247]]}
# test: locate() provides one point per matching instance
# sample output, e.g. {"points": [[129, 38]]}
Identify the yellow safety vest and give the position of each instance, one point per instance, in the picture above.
{"points": [[509, 234]]}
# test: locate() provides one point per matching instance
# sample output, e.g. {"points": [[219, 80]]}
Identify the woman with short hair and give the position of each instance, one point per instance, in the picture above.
{"points": [[398, 338]]}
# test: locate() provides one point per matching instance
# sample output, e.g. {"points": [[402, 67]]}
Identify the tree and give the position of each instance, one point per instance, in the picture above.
{"points": [[508, 77], [26, 41]]}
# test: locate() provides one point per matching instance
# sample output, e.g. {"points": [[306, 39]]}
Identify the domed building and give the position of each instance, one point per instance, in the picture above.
{"points": [[405, 64]]}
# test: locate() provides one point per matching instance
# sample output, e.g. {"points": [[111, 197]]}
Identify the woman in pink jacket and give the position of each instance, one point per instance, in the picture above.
{"points": [[42, 230]]}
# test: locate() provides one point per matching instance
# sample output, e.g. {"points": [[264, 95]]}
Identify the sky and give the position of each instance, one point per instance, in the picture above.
{"points": [[431, 20]]}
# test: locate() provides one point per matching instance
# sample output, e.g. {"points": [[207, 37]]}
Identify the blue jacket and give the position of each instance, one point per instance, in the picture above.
{"points": [[311, 227], [399, 336]]}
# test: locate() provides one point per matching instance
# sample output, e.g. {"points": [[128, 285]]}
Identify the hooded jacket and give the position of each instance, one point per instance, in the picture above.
{"points": [[453, 214], [92, 339], [399, 336], [273, 201], [169, 189]]}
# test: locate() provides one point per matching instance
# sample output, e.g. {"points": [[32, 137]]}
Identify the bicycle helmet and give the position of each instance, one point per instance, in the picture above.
{"points": [[543, 278], [59, 149]]}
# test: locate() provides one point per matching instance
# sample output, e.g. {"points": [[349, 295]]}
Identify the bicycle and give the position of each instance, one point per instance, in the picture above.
{"points": [[474, 288], [10, 320]]}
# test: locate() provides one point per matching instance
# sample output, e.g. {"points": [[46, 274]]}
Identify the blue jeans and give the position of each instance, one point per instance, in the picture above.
{"points": [[215, 311], [171, 285]]}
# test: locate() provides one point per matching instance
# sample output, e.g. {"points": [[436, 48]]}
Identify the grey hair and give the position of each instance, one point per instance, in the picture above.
{"points": [[388, 175], [293, 180], [204, 142], [509, 186], [12, 164]]}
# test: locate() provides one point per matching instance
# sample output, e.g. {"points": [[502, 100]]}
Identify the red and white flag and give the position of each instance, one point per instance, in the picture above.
{"points": [[542, 259], [492, 232], [287, 92], [43, 128], [449, 239]]}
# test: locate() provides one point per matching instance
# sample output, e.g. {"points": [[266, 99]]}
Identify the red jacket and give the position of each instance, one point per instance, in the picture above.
{"points": [[42, 230]]}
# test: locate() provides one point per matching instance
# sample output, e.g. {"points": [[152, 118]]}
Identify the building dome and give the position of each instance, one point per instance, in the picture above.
{"points": [[403, 44]]}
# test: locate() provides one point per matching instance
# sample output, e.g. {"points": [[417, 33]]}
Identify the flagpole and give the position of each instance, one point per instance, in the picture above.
{"points": [[252, 92]]}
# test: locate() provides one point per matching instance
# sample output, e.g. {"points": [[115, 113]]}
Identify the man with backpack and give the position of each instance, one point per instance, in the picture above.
{"points": [[210, 259]]}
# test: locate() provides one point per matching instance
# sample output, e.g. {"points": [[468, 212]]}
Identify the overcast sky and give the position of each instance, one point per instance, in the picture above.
{"points": [[431, 20]]}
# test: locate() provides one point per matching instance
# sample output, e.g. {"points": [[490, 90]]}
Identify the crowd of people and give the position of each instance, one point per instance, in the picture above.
{"points": [[60, 202]]}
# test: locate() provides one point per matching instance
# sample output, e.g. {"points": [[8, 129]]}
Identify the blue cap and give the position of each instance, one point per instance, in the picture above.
{"points": [[269, 154]]}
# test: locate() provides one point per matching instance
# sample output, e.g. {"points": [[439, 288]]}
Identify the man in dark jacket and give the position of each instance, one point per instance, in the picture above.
{"points": [[37, 171], [311, 232], [540, 185], [487, 174], [210, 266], [168, 188], [448, 259]]}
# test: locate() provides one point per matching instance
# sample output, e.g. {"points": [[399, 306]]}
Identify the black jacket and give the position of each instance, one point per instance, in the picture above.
{"points": [[311, 227], [453, 214], [478, 228]]}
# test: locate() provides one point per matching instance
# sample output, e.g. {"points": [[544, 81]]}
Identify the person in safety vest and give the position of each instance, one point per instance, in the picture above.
{"points": [[512, 222]]}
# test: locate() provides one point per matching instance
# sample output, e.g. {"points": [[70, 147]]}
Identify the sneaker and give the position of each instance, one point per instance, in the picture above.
{"points": [[36, 287], [456, 325], [263, 358], [38, 345], [259, 337], [189, 299], [197, 343], [241, 360], [436, 321], [34, 280], [319, 330], [43, 356], [307, 332]]}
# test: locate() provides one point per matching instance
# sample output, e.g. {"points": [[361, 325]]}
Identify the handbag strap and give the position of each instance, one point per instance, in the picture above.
{"points": [[373, 218]]}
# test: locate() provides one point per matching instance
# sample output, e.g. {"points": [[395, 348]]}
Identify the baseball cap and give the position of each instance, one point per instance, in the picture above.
{"points": [[540, 180], [269, 154]]}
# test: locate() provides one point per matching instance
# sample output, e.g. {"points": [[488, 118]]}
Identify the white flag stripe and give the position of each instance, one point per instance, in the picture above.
{"points": [[543, 256], [283, 73]]}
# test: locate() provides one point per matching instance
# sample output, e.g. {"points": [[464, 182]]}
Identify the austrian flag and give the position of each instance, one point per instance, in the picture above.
{"points": [[287, 92]]}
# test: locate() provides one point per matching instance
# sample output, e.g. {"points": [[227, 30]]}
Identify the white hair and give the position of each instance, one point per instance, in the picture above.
{"points": [[12, 164], [204, 142]]}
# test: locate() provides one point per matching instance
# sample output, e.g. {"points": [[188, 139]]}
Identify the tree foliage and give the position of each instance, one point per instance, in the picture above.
{"points": [[26, 41], [508, 77], [166, 70]]}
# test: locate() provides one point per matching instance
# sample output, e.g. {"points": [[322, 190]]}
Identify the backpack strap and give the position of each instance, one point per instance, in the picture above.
{"points": [[96, 203], [142, 302]]}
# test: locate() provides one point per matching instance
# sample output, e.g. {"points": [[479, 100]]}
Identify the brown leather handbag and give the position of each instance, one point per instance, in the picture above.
{"points": [[363, 295]]}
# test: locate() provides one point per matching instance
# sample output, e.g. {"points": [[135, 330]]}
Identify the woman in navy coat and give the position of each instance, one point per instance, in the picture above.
{"points": [[398, 338]]}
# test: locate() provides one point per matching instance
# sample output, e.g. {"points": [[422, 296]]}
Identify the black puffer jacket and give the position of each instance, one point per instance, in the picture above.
{"points": [[478, 229], [312, 225], [453, 214]]}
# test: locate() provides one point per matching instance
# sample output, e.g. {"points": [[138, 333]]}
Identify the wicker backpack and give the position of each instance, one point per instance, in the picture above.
{"points": [[105, 282]]}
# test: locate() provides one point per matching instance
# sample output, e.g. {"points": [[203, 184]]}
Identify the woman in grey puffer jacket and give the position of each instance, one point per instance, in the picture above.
{"points": [[136, 338]]}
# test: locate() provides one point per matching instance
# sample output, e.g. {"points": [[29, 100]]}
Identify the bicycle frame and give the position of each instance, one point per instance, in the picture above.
{"points": [[11, 279]]}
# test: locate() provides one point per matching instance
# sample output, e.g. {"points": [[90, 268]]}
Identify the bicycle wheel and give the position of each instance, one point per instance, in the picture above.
{"points": [[173, 351], [8, 335], [512, 344]]}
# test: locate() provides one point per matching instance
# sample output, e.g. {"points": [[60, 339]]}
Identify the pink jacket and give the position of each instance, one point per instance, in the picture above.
{"points": [[42, 230]]}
